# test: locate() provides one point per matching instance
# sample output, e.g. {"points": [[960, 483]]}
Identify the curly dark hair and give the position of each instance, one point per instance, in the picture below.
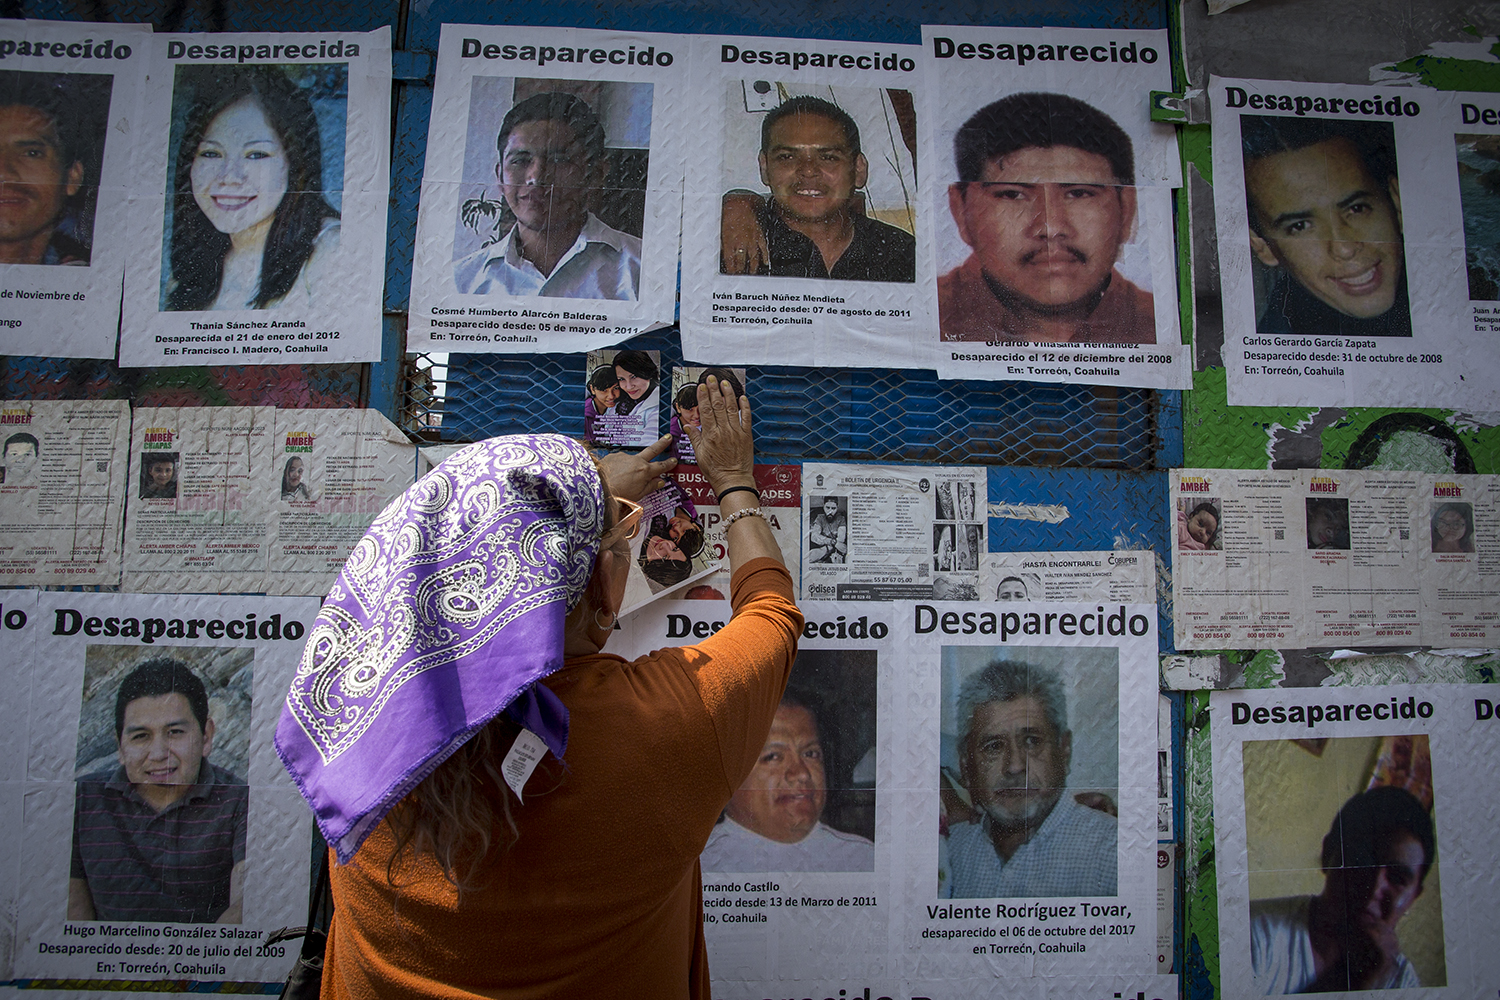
{"points": [[198, 249]]}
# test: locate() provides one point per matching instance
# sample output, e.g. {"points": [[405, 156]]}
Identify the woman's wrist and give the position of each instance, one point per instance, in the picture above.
{"points": [[737, 489], [737, 501], [720, 485]]}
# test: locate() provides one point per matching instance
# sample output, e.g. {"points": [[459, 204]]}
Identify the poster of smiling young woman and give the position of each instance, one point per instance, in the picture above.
{"points": [[1342, 285], [802, 237], [551, 198], [162, 837], [1050, 191], [260, 211], [68, 128]]}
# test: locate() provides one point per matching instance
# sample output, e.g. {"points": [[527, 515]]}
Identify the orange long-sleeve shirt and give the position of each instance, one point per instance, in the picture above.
{"points": [[601, 895]]}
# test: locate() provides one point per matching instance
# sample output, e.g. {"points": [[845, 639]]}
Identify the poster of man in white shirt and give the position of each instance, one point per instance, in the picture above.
{"points": [[544, 235], [551, 196], [1018, 817], [809, 803]]}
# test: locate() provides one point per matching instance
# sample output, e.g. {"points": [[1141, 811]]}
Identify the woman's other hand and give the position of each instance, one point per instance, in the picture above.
{"points": [[631, 477]]}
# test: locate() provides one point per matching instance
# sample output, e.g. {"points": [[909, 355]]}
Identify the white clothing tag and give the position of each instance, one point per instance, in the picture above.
{"points": [[523, 757]]}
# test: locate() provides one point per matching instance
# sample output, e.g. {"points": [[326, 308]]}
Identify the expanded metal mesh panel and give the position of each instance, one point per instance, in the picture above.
{"points": [[810, 413]]}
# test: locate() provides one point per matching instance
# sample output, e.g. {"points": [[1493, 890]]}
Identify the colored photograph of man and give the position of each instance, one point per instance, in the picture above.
{"points": [[161, 836], [41, 173], [1045, 199], [813, 223], [1031, 838], [1325, 215], [1375, 860], [21, 451], [552, 165], [774, 822]]}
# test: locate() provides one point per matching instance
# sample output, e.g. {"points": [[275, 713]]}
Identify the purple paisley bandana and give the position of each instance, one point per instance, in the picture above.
{"points": [[447, 613]]}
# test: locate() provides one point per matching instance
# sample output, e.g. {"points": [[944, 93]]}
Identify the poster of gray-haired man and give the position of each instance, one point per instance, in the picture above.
{"points": [[1030, 773]]}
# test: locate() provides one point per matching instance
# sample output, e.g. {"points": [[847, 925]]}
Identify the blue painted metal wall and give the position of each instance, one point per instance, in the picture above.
{"points": [[1045, 443], [1094, 450], [829, 414]]}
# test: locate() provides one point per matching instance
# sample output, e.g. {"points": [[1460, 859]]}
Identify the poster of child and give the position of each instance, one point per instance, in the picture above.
{"points": [[685, 382]]}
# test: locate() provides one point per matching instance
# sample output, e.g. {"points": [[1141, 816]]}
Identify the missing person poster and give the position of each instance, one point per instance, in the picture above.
{"points": [[198, 501], [70, 93], [622, 404], [780, 504], [797, 872], [334, 471], [1050, 192], [19, 622], [1026, 790], [671, 550], [62, 491], [684, 403], [1353, 852], [802, 236], [162, 838], [259, 212], [892, 532], [1128, 576], [1322, 303], [1333, 557], [552, 194]]}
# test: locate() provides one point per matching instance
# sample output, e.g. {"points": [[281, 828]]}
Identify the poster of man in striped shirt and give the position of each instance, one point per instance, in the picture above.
{"points": [[159, 833]]}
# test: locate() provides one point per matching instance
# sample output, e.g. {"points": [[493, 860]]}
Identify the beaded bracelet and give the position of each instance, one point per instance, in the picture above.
{"points": [[747, 512], [740, 489]]}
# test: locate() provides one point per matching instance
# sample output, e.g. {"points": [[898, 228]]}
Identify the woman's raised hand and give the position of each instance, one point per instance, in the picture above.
{"points": [[726, 454], [723, 443]]}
